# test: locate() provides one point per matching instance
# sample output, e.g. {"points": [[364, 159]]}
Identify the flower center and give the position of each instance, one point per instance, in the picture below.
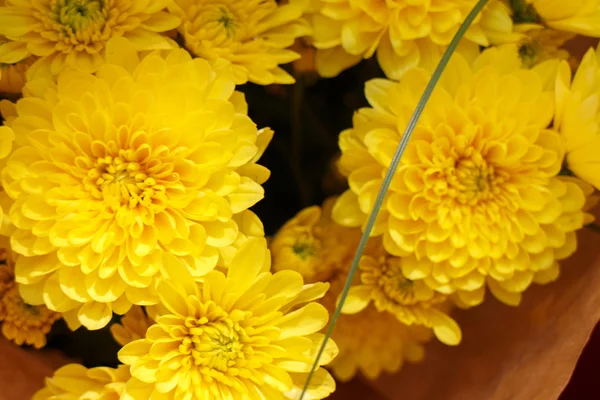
{"points": [[472, 180], [217, 345], [393, 284], [81, 21], [529, 52], [523, 12], [305, 247], [128, 179]]}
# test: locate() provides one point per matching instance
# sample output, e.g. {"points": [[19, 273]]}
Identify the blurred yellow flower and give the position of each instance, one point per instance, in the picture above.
{"points": [[577, 16], [476, 196], [133, 326], [12, 76], [247, 334], [74, 381], [313, 245], [578, 116], [369, 341], [403, 34], [253, 35], [142, 158], [74, 33], [21, 322]]}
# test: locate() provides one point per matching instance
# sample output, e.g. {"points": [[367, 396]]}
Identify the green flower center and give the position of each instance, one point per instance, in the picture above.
{"points": [[81, 20], [523, 13]]}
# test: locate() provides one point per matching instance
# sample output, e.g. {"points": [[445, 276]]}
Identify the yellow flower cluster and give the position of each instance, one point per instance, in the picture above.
{"points": [[20, 322], [144, 159], [255, 35], [244, 334], [371, 338], [402, 34], [477, 200], [128, 169]]}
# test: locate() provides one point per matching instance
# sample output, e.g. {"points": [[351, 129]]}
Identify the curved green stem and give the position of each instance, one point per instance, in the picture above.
{"points": [[388, 178]]}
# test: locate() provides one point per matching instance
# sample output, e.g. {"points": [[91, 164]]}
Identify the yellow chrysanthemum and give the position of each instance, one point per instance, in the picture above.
{"points": [[476, 196], [577, 16], [139, 159], [248, 334], [369, 341], [404, 34], [313, 245], [253, 35], [578, 116], [133, 326], [74, 33], [21, 322], [382, 283], [74, 381]]}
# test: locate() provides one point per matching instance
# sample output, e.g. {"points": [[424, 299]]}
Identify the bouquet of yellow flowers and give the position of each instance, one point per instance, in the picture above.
{"points": [[242, 199]]}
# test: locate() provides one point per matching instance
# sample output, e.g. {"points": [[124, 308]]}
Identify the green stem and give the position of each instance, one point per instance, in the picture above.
{"points": [[388, 178]]}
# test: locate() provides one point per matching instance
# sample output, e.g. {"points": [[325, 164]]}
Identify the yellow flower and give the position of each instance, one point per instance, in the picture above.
{"points": [[404, 34], [247, 334], [253, 35], [411, 301], [581, 16], [133, 326], [313, 245], [74, 33], [578, 116], [476, 196], [21, 322], [369, 341], [142, 158], [74, 381], [539, 44]]}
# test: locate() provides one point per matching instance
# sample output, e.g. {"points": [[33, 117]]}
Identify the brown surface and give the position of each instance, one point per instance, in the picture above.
{"points": [[22, 371], [584, 382], [525, 353]]}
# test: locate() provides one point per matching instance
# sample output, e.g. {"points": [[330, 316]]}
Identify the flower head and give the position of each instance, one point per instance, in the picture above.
{"points": [[578, 116], [383, 283], [313, 245], [141, 158], [370, 340], [244, 334], [404, 34], [254, 35], [21, 322], [582, 17], [476, 196], [74, 381], [74, 33], [133, 326]]}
